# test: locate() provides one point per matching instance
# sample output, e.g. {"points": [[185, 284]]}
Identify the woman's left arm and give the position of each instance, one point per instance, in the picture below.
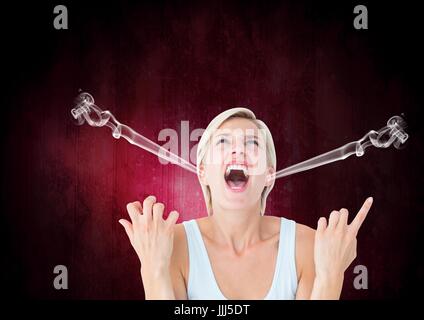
{"points": [[334, 250]]}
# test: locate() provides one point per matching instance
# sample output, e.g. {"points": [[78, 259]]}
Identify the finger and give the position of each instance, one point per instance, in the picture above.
{"points": [[172, 217], [322, 224], [128, 228], [137, 204], [334, 219], [343, 218], [147, 207], [133, 212], [158, 212], [361, 215]]}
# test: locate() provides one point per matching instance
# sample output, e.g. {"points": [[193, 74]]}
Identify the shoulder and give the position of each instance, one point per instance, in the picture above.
{"points": [[180, 240], [305, 239], [304, 235], [179, 260], [179, 231]]}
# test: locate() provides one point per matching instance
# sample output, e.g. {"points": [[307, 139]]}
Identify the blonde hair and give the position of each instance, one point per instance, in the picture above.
{"points": [[204, 142]]}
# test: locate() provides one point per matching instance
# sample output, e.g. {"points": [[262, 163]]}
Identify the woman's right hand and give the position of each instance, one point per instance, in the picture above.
{"points": [[150, 235]]}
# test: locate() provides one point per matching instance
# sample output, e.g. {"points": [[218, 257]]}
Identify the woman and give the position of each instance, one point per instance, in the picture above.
{"points": [[237, 252]]}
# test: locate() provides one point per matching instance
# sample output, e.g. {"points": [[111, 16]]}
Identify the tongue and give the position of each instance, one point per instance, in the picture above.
{"points": [[237, 184]]}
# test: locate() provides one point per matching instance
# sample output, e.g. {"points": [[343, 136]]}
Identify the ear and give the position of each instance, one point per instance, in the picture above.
{"points": [[202, 174], [270, 177]]}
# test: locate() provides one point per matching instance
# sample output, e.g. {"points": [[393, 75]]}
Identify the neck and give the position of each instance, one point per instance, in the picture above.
{"points": [[238, 229]]}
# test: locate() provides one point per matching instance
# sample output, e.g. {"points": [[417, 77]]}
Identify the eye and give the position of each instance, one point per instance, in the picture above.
{"points": [[221, 141], [252, 142]]}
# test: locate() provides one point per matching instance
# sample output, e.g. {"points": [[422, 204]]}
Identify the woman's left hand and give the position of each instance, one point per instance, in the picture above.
{"points": [[335, 243]]}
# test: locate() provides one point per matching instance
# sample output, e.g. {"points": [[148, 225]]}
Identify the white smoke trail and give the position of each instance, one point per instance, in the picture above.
{"points": [[85, 109], [393, 133]]}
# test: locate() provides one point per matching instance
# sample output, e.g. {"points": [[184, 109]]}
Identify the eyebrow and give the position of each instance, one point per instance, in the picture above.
{"points": [[227, 134], [222, 134]]}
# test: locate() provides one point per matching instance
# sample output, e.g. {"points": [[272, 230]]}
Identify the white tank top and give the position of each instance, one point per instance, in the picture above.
{"points": [[202, 284]]}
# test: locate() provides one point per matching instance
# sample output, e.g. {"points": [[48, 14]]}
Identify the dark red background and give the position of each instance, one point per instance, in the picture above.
{"points": [[302, 68]]}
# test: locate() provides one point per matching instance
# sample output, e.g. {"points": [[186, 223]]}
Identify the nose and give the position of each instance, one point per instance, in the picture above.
{"points": [[237, 148]]}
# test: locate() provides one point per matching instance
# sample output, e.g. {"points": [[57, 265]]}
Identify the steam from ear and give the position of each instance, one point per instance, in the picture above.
{"points": [[85, 110], [391, 134]]}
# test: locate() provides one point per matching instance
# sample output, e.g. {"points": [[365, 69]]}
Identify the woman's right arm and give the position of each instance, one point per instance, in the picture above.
{"points": [[152, 238]]}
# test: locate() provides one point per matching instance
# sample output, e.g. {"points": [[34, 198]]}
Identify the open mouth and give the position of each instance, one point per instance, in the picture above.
{"points": [[236, 177]]}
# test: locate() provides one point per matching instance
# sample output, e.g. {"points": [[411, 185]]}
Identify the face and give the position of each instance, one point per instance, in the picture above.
{"points": [[235, 165]]}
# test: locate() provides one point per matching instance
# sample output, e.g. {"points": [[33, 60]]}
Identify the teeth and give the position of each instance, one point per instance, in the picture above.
{"points": [[236, 167]]}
